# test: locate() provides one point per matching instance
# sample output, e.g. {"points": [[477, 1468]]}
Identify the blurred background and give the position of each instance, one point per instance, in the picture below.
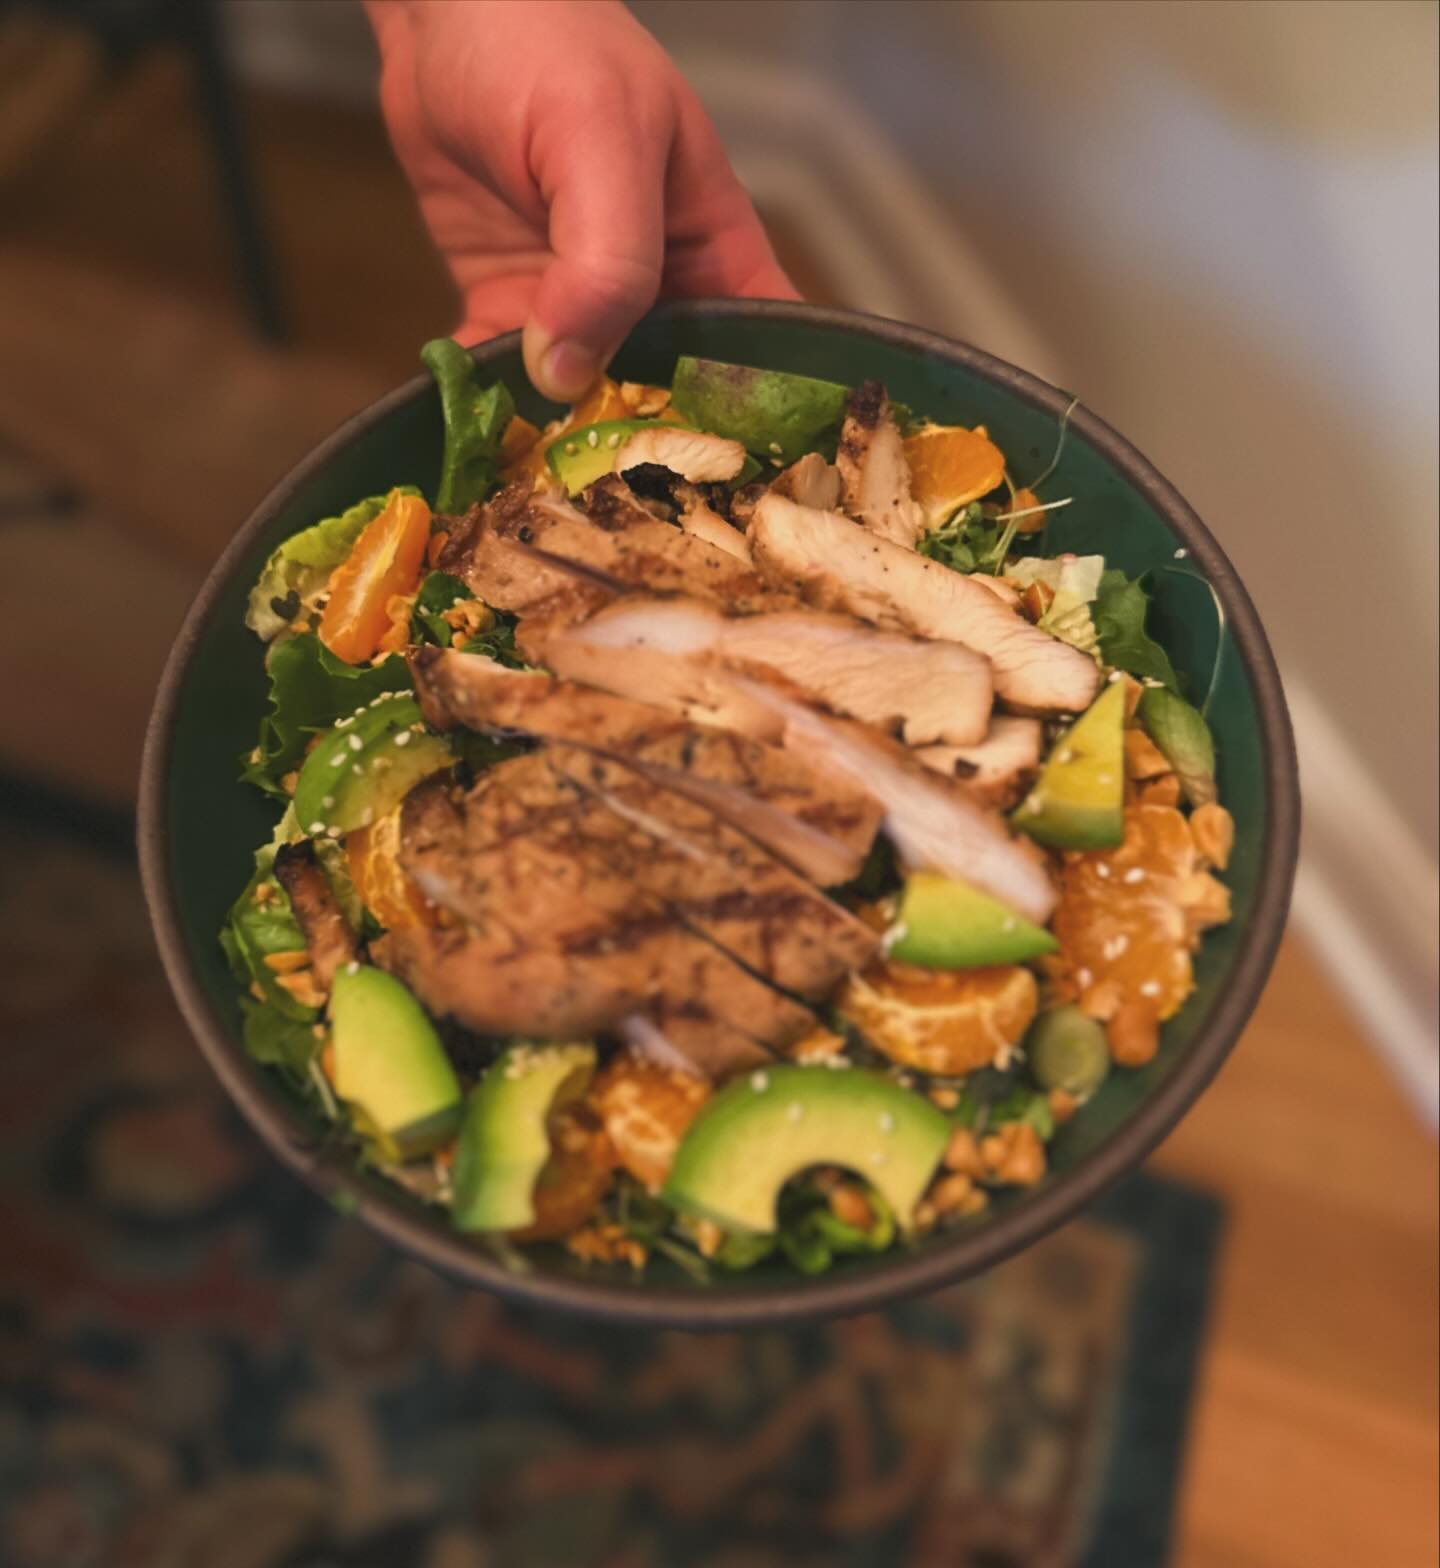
{"points": [[1217, 226]]}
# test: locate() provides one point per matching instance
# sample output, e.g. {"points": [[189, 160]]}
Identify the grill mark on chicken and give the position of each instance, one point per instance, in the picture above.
{"points": [[328, 937]]}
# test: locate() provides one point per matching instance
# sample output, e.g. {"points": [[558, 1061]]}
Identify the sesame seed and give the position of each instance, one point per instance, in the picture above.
{"points": [[1101, 869], [776, 448], [794, 1112], [327, 801], [353, 967], [759, 1082], [1083, 977], [403, 738], [346, 722], [316, 827], [1065, 754], [571, 449], [613, 440], [1181, 553], [1150, 988], [357, 770], [356, 744], [887, 1122], [593, 439], [1133, 875], [338, 760]]}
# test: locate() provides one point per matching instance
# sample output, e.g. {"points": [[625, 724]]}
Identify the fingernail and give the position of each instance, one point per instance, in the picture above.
{"points": [[569, 369]]}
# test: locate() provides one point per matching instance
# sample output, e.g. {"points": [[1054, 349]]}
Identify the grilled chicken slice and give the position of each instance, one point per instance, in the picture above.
{"points": [[932, 822], [693, 454], [328, 937], [1001, 768], [811, 481], [821, 826], [515, 858], [925, 691], [702, 520], [714, 879], [874, 471], [837, 565]]}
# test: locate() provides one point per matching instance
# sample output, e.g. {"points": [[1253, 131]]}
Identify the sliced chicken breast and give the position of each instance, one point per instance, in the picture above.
{"points": [[328, 938], [693, 454], [998, 770], [874, 471], [811, 481], [926, 691], [837, 565], [820, 825], [933, 823], [704, 522]]}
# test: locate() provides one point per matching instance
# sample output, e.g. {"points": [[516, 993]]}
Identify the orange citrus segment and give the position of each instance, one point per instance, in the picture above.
{"points": [[645, 1110], [520, 435], [569, 1189], [1120, 918], [945, 1021], [950, 466], [383, 562], [384, 887]]}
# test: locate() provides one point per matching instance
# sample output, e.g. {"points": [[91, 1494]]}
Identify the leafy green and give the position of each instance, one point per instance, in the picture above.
{"points": [[309, 689], [300, 568], [252, 931], [438, 593], [990, 1099], [277, 1040], [648, 1220], [880, 874], [1119, 613], [475, 421], [811, 1235], [740, 1250], [1074, 580], [969, 542], [497, 642], [1184, 739]]}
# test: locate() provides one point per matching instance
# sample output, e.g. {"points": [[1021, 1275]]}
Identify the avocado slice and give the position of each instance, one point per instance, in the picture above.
{"points": [[390, 1067], [942, 924], [505, 1140], [774, 414], [1079, 799], [366, 766], [580, 457], [761, 1130]]}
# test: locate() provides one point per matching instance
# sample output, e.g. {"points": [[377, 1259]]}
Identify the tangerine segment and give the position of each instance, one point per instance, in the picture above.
{"points": [[645, 1109], [385, 561], [950, 466], [1120, 918], [942, 1021], [383, 884]]}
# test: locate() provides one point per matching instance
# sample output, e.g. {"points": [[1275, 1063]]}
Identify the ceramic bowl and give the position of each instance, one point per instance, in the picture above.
{"points": [[199, 827]]}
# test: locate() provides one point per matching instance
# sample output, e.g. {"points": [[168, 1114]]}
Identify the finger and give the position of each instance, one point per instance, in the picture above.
{"points": [[605, 186]]}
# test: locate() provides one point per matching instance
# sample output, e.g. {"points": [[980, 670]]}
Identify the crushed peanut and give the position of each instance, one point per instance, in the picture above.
{"points": [[468, 618], [1213, 829], [848, 1205], [1134, 1034], [289, 780], [643, 400], [288, 963], [606, 1243], [1014, 1155], [962, 1153], [817, 1046], [302, 986], [1143, 758], [925, 1217], [950, 1193], [942, 1098], [264, 893], [1062, 1105]]}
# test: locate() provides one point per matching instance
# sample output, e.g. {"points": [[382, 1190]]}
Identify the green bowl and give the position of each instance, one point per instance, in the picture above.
{"points": [[199, 827]]}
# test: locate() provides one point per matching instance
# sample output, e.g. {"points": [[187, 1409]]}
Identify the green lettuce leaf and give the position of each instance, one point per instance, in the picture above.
{"points": [[277, 1040], [299, 570], [475, 421], [251, 931], [437, 594], [309, 689], [1074, 580], [1119, 614]]}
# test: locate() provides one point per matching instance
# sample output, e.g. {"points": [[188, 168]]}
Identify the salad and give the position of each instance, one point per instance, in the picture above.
{"points": [[714, 826]]}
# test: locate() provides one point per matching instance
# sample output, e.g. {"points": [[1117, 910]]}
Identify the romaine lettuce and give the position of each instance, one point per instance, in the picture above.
{"points": [[475, 421]]}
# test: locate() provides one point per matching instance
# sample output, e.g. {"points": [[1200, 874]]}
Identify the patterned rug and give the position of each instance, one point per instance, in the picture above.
{"points": [[203, 1366]]}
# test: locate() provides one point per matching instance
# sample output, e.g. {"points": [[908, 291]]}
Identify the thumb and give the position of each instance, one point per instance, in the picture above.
{"points": [[607, 235]]}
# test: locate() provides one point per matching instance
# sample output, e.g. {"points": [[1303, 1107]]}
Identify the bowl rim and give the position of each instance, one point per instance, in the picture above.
{"points": [[887, 1279]]}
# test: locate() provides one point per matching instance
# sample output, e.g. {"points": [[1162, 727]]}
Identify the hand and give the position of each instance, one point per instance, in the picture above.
{"points": [[566, 171]]}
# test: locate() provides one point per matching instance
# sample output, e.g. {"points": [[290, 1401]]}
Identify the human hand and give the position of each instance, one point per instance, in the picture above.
{"points": [[566, 171]]}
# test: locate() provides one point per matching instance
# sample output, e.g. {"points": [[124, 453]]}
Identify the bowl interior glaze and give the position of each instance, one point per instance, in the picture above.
{"points": [[199, 827]]}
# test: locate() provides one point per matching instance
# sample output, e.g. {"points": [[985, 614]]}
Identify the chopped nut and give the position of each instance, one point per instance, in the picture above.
{"points": [[1100, 1000], [264, 893], [1160, 792], [289, 780], [708, 1238], [1134, 1034], [848, 1205], [942, 1098], [303, 987], [925, 1217], [606, 1244], [1036, 599], [1213, 829], [469, 617], [1205, 901], [950, 1192], [1014, 1155], [1143, 758], [644, 400], [288, 963], [817, 1046], [1062, 1105], [977, 1200], [962, 1153]]}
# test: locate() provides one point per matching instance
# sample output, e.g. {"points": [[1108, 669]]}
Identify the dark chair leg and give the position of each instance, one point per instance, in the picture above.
{"points": [[199, 28]]}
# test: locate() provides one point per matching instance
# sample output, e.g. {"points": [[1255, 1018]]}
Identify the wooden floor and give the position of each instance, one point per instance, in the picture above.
{"points": [[127, 367]]}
